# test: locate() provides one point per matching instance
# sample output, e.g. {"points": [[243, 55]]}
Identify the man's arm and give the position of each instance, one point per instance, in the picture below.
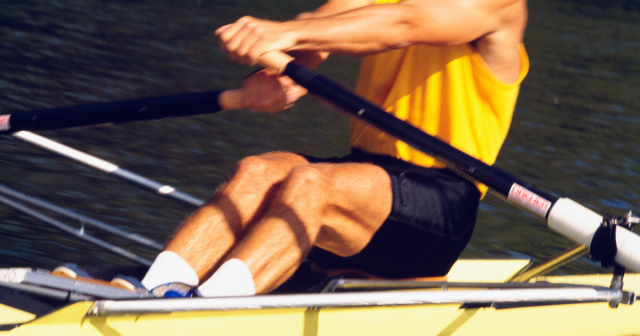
{"points": [[268, 92], [371, 29], [494, 26], [310, 58]]}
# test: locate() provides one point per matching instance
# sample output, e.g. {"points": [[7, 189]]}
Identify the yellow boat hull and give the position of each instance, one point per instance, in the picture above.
{"points": [[426, 319]]}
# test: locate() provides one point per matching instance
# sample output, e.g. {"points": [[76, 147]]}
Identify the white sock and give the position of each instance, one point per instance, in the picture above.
{"points": [[169, 267], [233, 278]]}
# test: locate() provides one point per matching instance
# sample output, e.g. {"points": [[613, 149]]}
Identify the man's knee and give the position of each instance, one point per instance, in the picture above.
{"points": [[300, 201], [267, 165], [251, 166], [305, 185]]}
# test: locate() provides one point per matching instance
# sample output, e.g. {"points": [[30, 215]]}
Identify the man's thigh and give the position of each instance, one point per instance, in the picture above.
{"points": [[431, 221], [357, 200]]}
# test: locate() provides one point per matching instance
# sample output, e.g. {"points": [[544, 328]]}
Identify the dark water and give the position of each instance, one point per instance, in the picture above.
{"points": [[574, 134]]}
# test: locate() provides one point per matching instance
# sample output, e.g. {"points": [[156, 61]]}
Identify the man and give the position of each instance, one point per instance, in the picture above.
{"points": [[450, 67]]}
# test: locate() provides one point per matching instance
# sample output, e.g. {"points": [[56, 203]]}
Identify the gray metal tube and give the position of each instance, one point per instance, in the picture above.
{"points": [[78, 233], [82, 219], [555, 295]]}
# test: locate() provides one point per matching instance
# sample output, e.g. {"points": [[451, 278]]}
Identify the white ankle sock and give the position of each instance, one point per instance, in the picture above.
{"points": [[169, 267], [233, 278]]}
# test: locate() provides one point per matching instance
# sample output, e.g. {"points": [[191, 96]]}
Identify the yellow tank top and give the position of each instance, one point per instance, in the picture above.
{"points": [[448, 92]]}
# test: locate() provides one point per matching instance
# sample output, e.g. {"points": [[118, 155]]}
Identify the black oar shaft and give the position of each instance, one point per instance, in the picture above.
{"points": [[114, 112], [475, 170], [562, 215]]}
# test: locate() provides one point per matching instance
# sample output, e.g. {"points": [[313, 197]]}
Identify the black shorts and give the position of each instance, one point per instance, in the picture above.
{"points": [[431, 222]]}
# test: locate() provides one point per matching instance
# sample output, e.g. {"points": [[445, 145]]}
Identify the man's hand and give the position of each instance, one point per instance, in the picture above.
{"points": [[249, 38], [268, 92]]}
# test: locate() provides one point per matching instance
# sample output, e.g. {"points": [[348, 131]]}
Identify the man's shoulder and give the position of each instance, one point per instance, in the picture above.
{"points": [[500, 48]]}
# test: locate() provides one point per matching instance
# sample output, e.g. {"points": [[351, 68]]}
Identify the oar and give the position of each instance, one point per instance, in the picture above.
{"points": [[108, 167], [563, 215], [122, 111]]}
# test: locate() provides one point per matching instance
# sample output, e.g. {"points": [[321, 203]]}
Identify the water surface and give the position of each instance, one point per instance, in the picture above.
{"points": [[574, 133]]}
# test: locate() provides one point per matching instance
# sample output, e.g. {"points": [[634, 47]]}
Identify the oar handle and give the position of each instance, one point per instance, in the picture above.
{"points": [[276, 60], [231, 100], [122, 111]]}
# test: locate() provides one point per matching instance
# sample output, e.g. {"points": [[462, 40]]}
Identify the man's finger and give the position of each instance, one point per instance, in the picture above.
{"points": [[221, 30], [232, 35], [247, 44]]}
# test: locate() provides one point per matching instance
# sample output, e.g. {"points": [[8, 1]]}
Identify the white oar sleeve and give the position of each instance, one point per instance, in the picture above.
{"points": [[579, 224]]}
